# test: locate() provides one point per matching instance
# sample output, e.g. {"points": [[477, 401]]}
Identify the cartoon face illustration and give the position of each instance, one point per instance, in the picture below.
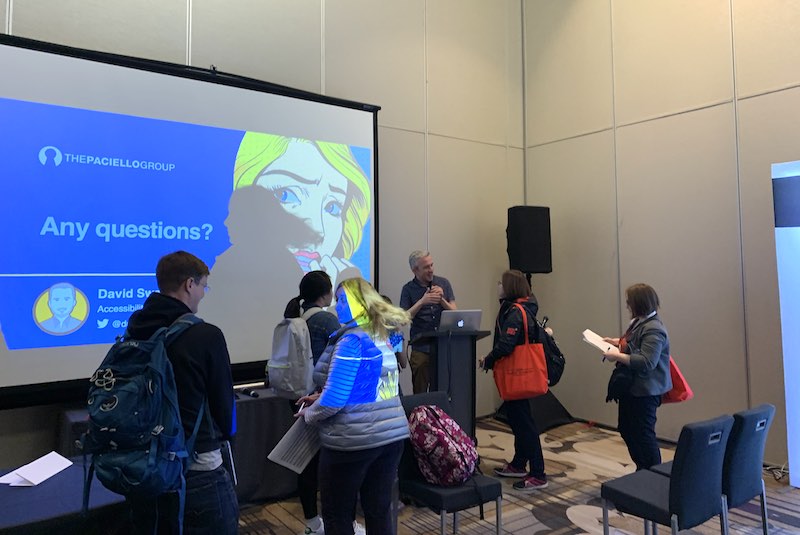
{"points": [[320, 184], [312, 190], [62, 300]]}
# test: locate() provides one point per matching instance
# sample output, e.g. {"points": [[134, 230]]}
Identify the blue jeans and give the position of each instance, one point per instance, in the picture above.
{"points": [[211, 508], [637, 425], [344, 473], [527, 447]]}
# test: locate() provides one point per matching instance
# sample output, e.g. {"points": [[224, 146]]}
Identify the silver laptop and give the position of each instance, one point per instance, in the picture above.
{"points": [[460, 320]]}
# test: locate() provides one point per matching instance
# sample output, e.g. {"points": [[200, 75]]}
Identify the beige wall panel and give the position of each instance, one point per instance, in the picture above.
{"points": [[277, 41], [568, 57], [767, 45], [403, 218], [679, 232], [3, 15], [470, 187], [467, 61], [670, 56], [375, 53], [767, 135], [515, 87], [575, 178], [403, 213], [152, 29]]}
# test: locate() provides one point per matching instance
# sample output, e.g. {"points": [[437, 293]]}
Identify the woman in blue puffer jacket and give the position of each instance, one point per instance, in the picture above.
{"points": [[361, 421]]}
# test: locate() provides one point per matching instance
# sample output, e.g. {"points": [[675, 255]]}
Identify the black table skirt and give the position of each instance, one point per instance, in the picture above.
{"points": [[261, 423]]}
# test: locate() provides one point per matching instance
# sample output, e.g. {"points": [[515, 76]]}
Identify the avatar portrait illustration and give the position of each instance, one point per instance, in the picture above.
{"points": [[61, 310]]}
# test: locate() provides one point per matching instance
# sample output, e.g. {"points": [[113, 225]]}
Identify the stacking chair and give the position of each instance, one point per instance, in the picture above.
{"points": [[478, 490], [744, 459], [693, 493]]}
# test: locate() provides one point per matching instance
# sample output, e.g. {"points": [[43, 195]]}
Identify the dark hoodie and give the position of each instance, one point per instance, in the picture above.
{"points": [[509, 328], [202, 368]]}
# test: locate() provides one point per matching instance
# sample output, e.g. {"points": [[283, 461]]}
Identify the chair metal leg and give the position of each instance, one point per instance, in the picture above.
{"points": [[723, 516], [455, 523], [499, 515], [655, 528], [646, 527], [443, 522], [605, 517], [674, 524], [764, 516]]}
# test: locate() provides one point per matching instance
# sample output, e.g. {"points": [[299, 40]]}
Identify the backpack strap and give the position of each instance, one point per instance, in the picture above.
{"points": [[179, 325], [189, 444]]}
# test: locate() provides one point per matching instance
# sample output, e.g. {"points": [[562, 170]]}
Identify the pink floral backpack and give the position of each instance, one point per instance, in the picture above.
{"points": [[445, 455]]}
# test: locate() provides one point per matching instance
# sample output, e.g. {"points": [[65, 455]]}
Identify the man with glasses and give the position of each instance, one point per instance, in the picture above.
{"points": [[202, 370]]}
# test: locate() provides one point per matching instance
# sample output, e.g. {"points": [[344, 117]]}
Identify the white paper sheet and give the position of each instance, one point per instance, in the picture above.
{"points": [[595, 340], [37, 471], [297, 447]]}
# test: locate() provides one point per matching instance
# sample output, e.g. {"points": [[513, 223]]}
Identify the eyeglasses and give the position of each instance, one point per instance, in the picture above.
{"points": [[206, 287]]}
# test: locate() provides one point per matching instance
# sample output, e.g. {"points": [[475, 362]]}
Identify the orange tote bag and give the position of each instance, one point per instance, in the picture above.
{"points": [[523, 373], [681, 391]]}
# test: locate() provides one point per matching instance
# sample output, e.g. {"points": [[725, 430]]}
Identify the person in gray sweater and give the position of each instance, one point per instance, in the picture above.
{"points": [[644, 349], [361, 422]]}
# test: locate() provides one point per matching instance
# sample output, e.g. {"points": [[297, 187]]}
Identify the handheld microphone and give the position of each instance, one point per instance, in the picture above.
{"points": [[250, 392]]}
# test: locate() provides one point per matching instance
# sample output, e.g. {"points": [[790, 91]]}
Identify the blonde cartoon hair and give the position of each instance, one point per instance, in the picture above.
{"points": [[382, 317], [257, 151]]}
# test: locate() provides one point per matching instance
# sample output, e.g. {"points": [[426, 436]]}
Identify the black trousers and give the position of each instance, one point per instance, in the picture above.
{"points": [[637, 425], [344, 473], [527, 447]]}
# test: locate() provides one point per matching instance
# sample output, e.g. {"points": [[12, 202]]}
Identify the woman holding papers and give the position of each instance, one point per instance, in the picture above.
{"points": [[361, 421], [508, 333], [644, 349]]}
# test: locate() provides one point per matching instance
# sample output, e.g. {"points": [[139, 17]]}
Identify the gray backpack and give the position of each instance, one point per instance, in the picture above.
{"points": [[291, 365]]}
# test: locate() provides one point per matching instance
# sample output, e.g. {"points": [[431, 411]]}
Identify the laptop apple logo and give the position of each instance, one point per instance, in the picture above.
{"points": [[460, 323]]}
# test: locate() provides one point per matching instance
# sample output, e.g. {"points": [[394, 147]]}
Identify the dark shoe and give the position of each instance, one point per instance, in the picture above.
{"points": [[510, 471], [530, 484]]}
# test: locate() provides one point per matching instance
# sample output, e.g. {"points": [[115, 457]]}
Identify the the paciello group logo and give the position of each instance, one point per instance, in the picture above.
{"points": [[50, 155]]}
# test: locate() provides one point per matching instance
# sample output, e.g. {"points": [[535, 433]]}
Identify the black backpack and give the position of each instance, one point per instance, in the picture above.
{"points": [[553, 356]]}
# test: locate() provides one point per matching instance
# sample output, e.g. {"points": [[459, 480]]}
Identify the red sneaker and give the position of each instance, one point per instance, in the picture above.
{"points": [[510, 471], [530, 484]]}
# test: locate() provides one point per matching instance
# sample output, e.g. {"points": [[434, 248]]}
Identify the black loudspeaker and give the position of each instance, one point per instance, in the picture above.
{"points": [[528, 235]]}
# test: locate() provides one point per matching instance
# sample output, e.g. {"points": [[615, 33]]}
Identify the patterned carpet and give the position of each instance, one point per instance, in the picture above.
{"points": [[578, 459]]}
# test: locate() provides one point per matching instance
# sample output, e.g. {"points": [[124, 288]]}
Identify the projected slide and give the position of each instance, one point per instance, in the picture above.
{"points": [[90, 200], [786, 199]]}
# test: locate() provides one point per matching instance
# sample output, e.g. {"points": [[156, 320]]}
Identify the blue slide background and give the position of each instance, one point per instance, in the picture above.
{"points": [[192, 194]]}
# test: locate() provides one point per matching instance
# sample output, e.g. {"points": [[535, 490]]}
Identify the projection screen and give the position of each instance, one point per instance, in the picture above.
{"points": [[108, 163]]}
